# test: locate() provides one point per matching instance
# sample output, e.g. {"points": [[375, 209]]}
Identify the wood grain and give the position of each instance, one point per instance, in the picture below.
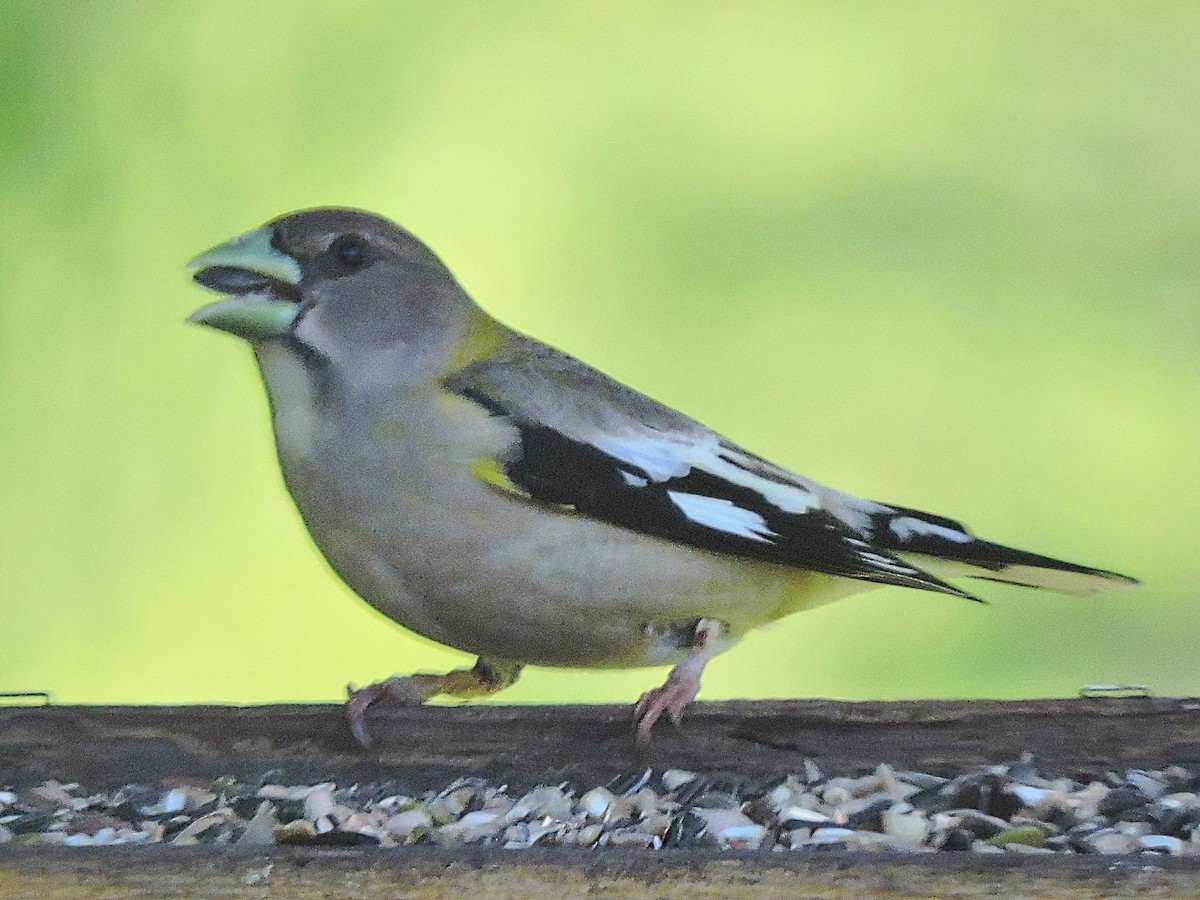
{"points": [[426, 747]]}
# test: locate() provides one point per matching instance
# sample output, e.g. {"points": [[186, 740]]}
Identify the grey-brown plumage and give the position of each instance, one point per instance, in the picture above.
{"points": [[503, 498]]}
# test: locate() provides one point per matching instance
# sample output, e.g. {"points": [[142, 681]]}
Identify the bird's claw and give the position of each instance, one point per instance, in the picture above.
{"points": [[395, 690], [672, 698]]}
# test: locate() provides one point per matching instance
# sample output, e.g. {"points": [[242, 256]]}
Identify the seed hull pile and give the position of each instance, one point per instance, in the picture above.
{"points": [[1010, 808]]}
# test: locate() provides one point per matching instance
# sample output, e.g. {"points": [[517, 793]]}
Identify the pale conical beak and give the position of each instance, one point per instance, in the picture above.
{"points": [[261, 283]]}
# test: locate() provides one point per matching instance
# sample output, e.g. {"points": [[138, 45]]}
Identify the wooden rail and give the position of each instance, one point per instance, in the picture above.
{"points": [[427, 747]]}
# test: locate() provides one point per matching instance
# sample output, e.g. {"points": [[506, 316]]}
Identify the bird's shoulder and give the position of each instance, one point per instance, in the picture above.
{"points": [[545, 386]]}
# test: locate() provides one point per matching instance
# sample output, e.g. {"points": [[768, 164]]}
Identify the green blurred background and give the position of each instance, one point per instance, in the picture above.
{"points": [[943, 254]]}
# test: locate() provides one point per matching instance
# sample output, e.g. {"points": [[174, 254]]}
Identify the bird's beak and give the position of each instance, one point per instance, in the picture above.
{"points": [[261, 284]]}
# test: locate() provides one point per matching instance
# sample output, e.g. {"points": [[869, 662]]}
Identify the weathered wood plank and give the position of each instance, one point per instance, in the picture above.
{"points": [[421, 748], [425, 747]]}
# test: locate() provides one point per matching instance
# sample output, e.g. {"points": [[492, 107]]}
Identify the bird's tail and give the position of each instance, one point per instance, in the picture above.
{"points": [[949, 550]]}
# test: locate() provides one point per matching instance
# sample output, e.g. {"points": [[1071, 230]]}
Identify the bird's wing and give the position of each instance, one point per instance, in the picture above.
{"points": [[948, 547], [590, 444]]}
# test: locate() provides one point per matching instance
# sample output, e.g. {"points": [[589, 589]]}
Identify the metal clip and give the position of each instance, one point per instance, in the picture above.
{"points": [[1115, 691], [45, 696]]}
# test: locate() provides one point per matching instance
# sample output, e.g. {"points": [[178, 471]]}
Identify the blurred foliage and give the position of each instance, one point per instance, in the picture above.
{"points": [[938, 253]]}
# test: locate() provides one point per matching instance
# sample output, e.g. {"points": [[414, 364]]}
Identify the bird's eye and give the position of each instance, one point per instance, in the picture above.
{"points": [[348, 253]]}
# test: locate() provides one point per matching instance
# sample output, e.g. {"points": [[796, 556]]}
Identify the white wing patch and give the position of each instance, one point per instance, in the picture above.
{"points": [[879, 561], [907, 526], [791, 498], [723, 515], [886, 563], [663, 458]]}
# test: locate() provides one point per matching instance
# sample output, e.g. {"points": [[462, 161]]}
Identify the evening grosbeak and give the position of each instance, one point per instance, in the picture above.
{"points": [[500, 497]]}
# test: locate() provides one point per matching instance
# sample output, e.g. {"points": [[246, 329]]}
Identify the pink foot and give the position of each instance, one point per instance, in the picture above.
{"points": [[708, 639], [672, 698], [404, 691]]}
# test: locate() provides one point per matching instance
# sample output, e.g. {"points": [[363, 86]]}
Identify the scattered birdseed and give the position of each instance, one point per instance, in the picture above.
{"points": [[1011, 808]]}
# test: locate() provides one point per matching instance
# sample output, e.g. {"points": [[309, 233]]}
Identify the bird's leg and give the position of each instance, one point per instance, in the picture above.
{"points": [[682, 685], [486, 677]]}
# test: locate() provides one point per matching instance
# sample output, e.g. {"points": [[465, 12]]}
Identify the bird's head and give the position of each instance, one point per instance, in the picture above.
{"points": [[342, 286]]}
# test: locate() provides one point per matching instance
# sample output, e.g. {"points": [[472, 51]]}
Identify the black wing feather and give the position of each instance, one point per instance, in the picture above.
{"points": [[976, 552]]}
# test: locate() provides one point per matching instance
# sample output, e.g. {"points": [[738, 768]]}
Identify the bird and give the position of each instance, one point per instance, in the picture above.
{"points": [[505, 499]]}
